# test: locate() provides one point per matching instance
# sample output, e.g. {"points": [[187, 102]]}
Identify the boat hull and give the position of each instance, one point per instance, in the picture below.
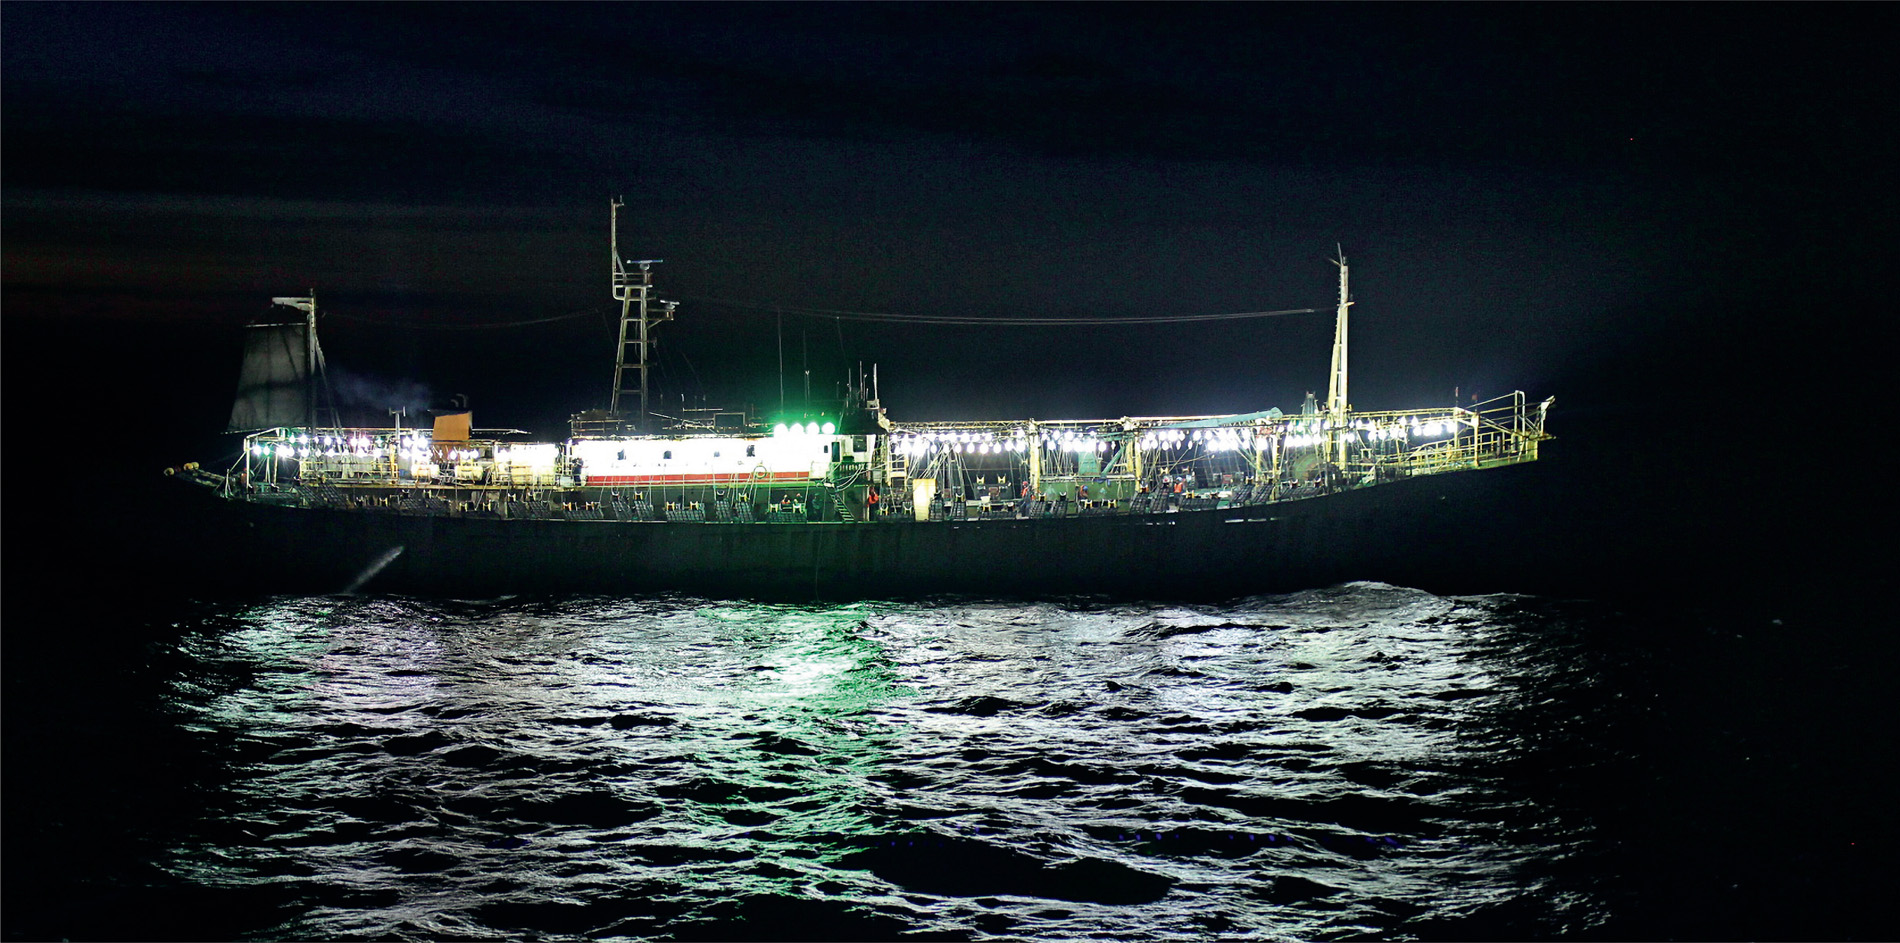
{"points": [[1446, 532]]}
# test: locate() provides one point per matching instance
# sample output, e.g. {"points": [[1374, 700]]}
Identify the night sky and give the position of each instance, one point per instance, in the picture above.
{"points": [[1666, 216]]}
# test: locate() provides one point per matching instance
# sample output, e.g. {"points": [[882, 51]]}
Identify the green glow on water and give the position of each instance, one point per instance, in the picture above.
{"points": [[806, 746], [765, 718]]}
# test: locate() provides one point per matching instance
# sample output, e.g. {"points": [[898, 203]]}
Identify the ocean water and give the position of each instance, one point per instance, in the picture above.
{"points": [[1362, 761]]}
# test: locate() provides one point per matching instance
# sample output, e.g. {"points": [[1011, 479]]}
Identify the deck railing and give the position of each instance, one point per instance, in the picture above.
{"points": [[1223, 461]]}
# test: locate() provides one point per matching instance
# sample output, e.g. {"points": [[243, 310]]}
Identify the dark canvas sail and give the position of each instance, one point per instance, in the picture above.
{"points": [[273, 389]]}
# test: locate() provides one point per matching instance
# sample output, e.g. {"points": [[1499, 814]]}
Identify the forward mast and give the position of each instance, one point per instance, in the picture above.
{"points": [[633, 288]]}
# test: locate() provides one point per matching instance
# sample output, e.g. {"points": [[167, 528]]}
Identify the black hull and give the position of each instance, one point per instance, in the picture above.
{"points": [[1447, 533]]}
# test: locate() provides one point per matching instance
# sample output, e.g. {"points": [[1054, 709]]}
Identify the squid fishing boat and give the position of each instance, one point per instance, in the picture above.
{"points": [[855, 503]]}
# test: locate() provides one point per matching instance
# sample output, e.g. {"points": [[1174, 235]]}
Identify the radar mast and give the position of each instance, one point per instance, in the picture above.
{"points": [[633, 288]]}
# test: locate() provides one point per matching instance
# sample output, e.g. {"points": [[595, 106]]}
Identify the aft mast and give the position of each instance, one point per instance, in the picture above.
{"points": [[1337, 405], [634, 290]]}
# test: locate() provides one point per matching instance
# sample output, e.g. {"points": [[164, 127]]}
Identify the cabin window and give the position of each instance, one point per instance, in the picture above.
{"points": [[750, 451], [715, 455], [620, 456], [668, 454], [857, 443]]}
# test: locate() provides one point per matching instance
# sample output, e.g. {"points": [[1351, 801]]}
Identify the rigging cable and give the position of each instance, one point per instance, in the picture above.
{"points": [[973, 320]]}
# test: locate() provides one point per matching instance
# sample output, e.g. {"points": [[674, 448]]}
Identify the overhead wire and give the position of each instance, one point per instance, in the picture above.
{"points": [[974, 320], [839, 315]]}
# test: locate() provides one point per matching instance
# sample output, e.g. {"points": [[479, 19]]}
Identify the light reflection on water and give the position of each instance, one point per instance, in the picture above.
{"points": [[1314, 766]]}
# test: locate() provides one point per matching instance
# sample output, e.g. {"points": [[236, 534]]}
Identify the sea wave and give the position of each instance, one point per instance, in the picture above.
{"points": [[1334, 763]]}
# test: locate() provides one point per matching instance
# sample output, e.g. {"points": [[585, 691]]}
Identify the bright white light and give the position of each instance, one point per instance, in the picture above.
{"points": [[829, 428]]}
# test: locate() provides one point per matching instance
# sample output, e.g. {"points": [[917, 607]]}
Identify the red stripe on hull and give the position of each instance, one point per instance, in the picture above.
{"points": [[735, 478]]}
